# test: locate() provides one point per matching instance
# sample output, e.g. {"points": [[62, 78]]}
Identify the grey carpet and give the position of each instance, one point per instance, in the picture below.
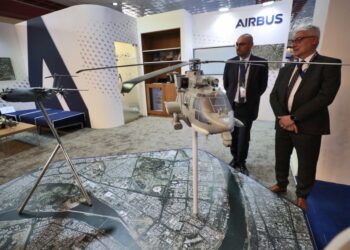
{"points": [[143, 135]]}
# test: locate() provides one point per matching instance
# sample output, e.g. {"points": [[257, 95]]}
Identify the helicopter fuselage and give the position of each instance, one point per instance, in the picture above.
{"points": [[207, 110], [25, 94], [201, 105]]}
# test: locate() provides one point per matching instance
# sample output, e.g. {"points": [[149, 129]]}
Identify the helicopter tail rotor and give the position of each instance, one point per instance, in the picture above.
{"points": [[238, 123]]}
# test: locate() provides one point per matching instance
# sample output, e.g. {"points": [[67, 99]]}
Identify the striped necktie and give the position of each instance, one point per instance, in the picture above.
{"points": [[297, 73]]}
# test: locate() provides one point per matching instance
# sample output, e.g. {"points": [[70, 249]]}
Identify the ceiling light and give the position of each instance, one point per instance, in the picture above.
{"points": [[223, 9], [267, 3], [115, 4]]}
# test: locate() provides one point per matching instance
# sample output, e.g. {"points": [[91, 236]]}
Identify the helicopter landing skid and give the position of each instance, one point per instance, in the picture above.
{"points": [[70, 164]]}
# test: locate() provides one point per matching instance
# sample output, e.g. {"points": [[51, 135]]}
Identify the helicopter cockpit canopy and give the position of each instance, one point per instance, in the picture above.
{"points": [[213, 103]]}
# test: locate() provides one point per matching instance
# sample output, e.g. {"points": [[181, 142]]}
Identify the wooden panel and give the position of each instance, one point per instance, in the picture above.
{"points": [[28, 9], [168, 93], [161, 39], [20, 127]]}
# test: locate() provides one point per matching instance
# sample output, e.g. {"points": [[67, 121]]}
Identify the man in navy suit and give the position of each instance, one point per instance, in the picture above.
{"points": [[299, 100], [244, 84]]}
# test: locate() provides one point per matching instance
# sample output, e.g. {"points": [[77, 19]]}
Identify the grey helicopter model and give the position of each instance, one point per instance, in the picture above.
{"points": [[199, 102]]}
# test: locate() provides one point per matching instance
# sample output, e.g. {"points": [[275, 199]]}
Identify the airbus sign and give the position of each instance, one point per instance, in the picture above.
{"points": [[260, 20]]}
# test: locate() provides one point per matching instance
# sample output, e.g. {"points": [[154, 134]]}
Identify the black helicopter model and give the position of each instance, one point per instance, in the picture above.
{"points": [[37, 95]]}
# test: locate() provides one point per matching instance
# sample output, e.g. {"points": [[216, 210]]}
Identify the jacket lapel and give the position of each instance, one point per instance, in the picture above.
{"points": [[235, 73], [288, 75], [251, 70], [308, 72]]}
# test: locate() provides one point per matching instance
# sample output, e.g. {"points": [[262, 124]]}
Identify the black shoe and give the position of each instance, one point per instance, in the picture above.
{"points": [[244, 170]]}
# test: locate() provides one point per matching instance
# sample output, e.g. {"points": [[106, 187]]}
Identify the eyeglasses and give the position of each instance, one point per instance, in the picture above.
{"points": [[300, 39]]}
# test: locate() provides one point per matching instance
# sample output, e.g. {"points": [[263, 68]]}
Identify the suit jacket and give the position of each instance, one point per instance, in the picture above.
{"points": [[256, 86], [317, 90]]}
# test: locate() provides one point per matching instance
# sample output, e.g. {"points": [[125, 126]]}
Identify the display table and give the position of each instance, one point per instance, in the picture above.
{"points": [[20, 127]]}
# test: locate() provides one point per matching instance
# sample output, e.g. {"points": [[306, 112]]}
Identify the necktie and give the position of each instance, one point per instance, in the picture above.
{"points": [[241, 80], [294, 79]]}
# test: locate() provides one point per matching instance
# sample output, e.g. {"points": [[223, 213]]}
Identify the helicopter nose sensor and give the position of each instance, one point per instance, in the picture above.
{"points": [[212, 81]]}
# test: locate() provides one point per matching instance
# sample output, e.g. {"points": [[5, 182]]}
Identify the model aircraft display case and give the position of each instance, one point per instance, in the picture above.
{"points": [[163, 47]]}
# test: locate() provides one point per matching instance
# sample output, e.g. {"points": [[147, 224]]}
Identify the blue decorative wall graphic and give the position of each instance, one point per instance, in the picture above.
{"points": [[41, 48]]}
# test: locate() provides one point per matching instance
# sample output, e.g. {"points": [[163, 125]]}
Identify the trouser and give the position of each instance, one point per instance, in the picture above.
{"points": [[307, 148], [240, 141]]}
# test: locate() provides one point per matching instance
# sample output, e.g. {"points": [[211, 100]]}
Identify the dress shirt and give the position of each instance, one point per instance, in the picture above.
{"points": [[297, 83], [247, 67]]}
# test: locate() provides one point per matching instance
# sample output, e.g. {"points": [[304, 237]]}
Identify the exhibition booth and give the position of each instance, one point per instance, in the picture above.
{"points": [[85, 37]]}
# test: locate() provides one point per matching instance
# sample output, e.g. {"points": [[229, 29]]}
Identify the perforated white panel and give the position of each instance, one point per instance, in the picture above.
{"points": [[96, 42], [84, 36]]}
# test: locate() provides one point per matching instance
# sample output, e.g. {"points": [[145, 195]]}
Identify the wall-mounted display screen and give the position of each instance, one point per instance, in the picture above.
{"points": [[6, 69]]}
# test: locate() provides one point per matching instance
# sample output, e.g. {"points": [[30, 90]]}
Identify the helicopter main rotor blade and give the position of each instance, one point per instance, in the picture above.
{"points": [[58, 75], [126, 65], [257, 63], [128, 85], [286, 62]]}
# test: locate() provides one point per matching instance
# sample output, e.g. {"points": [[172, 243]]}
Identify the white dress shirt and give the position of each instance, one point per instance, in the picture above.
{"points": [[247, 67], [297, 83]]}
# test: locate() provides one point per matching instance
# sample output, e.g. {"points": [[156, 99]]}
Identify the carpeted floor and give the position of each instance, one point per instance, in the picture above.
{"points": [[142, 135]]}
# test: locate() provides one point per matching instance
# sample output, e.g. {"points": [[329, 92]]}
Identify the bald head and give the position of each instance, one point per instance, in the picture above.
{"points": [[248, 37], [244, 45]]}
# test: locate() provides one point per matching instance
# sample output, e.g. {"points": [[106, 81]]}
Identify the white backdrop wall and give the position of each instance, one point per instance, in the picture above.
{"points": [[222, 29], [9, 47], [333, 164], [84, 36]]}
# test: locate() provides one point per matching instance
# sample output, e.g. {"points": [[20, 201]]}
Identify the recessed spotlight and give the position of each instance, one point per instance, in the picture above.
{"points": [[223, 9], [267, 3], [115, 4]]}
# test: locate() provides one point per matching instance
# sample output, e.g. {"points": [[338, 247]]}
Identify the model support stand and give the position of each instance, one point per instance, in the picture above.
{"points": [[195, 171], [70, 164]]}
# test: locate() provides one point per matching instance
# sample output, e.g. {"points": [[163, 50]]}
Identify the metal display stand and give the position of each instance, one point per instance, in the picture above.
{"points": [[195, 171], [70, 164]]}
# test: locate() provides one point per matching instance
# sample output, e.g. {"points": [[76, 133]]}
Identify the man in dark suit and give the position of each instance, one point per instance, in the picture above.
{"points": [[299, 100], [244, 84]]}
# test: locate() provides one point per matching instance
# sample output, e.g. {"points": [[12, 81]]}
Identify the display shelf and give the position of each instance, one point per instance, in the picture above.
{"points": [[165, 49], [162, 55], [164, 62], [161, 49]]}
